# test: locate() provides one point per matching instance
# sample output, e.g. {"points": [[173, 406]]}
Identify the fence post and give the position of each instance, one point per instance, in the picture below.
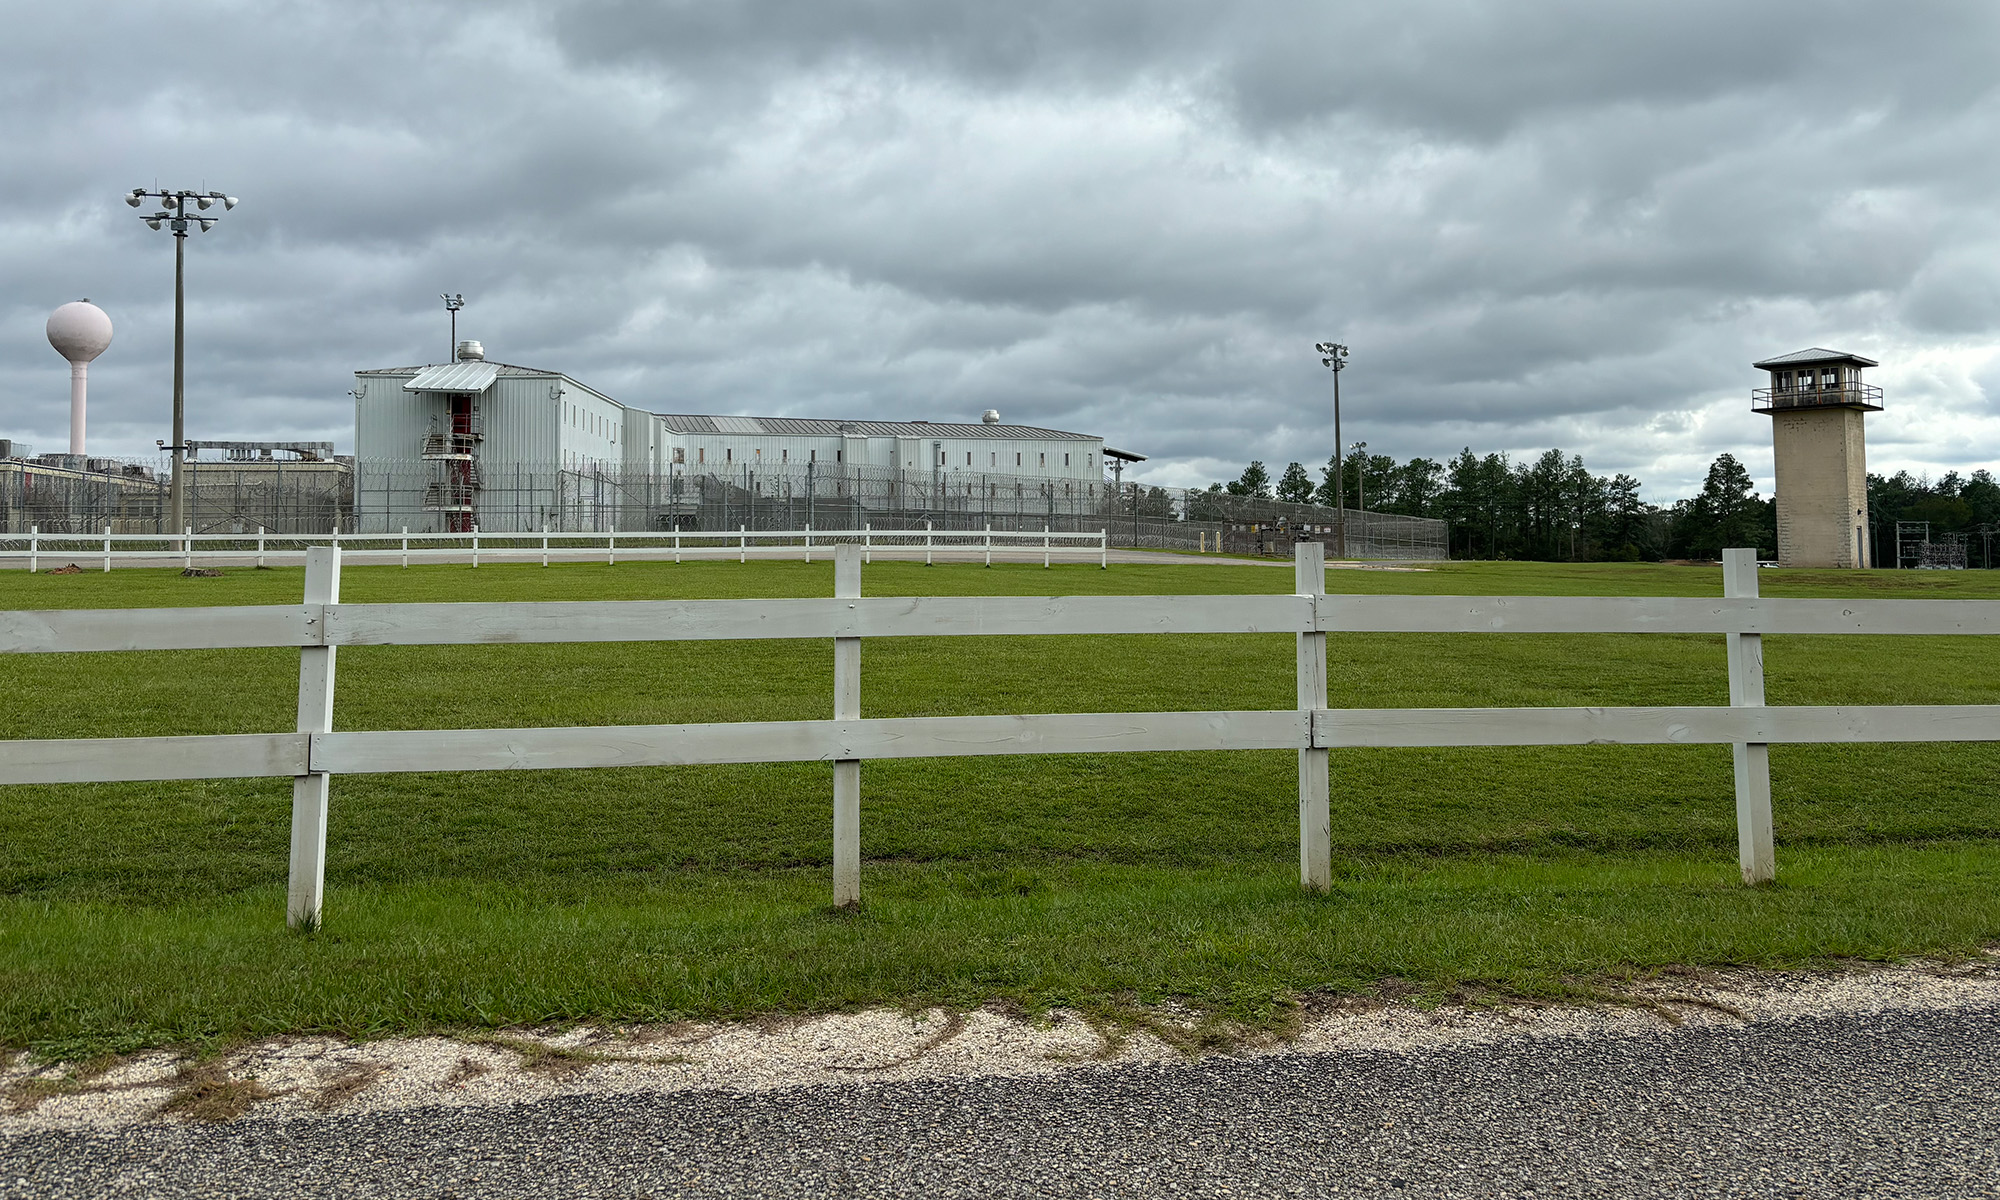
{"points": [[989, 543], [677, 543], [34, 548], [743, 543], [868, 542], [309, 791], [187, 548], [611, 548], [406, 545], [1045, 547], [1315, 821], [846, 707], [927, 543], [260, 545], [1755, 850], [107, 547], [809, 542], [1104, 549]]}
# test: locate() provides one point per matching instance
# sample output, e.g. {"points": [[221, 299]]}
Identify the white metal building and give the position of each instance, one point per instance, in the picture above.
{"points": [[507, 448]]}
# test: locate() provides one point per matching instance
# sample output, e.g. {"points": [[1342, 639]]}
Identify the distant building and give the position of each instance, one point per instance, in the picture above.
{"points": [[1816, 402], [506, 448]]}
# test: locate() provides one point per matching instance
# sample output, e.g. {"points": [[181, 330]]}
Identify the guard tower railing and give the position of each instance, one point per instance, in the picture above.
{"points": [[1838, 395]]}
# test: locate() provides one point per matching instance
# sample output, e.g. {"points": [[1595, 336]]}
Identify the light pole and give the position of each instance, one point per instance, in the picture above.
{"points": [[1361, 490], [451, 305], [1333, 356], [174, 215]]}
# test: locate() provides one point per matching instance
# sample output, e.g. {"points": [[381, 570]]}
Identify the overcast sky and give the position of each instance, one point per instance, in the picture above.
{"points": [[1556, 224]]}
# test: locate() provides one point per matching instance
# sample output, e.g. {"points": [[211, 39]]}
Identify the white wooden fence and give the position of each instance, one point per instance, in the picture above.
{"points": [[189, 547], [321, 624]]}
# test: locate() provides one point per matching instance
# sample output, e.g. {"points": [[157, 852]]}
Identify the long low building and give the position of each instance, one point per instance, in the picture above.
{"points": [[473, 443]]}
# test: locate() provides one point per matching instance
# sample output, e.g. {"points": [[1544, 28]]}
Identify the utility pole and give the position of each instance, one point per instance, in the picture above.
{"points": [[1333, 356]]}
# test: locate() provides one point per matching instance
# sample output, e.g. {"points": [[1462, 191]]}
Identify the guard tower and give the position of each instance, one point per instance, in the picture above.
{"points": [[1815, 402]]}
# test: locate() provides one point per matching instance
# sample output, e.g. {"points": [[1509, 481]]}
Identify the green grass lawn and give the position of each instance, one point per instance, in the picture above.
{"points": [[138, 914]]}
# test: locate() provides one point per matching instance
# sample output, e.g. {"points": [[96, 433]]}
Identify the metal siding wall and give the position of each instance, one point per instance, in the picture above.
{"points": [[389, 429]]}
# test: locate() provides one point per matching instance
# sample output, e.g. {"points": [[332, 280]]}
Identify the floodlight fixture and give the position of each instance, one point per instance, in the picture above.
{"points": [[204, 201], [152, 222], [206, 223], [135, 197]]}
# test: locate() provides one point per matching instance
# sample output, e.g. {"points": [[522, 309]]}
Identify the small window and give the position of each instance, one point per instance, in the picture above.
{"points": [[839, 456], [993, 460], [784, 456], [812, 456], [729, 454], [1065, 460], [968, 458], [1017, 459], [700, 455], [1045, 460]]}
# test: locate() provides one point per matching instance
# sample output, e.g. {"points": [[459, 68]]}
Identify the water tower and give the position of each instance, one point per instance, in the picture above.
{"points": [[1816, 402], [80, 332]]}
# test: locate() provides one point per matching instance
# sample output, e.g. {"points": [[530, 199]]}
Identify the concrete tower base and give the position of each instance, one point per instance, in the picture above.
{"points": [[1822, 468]]}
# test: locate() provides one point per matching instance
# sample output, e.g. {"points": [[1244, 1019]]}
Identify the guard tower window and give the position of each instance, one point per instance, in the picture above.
{"points": [[1065, 460], [728, 454], [1045, 460], [968, 458]]}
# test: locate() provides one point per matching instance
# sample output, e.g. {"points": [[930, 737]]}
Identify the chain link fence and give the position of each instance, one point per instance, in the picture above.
{"points": [[454, 494]]}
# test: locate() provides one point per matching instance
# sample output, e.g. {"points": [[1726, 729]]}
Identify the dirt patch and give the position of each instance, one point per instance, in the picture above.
{"points": [[71, 569], [201, 573]]}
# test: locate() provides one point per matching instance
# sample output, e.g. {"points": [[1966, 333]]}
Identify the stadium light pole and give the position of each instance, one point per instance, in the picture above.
{"points": [[174, 216], [1333, 356], [1361, 491]]}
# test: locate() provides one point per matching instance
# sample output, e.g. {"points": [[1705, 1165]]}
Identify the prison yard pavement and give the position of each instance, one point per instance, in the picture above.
{"points": [[1882, 1082]]}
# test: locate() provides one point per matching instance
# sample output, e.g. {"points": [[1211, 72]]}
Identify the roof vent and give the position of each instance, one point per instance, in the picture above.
{"points": [[990, 417], [469, 351]]}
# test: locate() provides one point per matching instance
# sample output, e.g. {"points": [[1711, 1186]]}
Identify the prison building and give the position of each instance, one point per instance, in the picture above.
{"points": [[473, 443]]}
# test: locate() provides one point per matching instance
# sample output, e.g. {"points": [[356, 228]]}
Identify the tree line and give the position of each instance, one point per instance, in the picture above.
{"points": [[1554, 508]]}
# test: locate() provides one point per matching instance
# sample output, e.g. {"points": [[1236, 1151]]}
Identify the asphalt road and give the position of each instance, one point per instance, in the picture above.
{"points": [[1899, 1104]]}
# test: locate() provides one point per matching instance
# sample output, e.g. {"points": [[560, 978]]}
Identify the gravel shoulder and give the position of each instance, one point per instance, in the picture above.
{"points": [[320, 1078]]}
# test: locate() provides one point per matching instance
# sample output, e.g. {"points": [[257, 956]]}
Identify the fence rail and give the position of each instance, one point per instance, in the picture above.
{"points": [[315, 753], [190, 547]]}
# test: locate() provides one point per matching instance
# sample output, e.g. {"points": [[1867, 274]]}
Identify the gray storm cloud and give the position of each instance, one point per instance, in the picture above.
{"points": [[1544, 224]]}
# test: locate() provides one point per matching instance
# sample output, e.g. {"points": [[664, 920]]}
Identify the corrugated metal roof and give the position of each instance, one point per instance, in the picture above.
{"points": [[821, 427], [1817, 354], [454, 377]]}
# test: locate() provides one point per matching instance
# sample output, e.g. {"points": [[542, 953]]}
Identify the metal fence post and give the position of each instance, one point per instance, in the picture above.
{"points": [[927, 543], [475, 546], [260, 545], [989, 543], [34, 548], [1755, 850], [406, 545], [187, 548], [1045, 547], [1315, 820], [310, 791], [846, 707], [107, 547], [1104, 549], [611, 548], [868, 542], [743, 543]]}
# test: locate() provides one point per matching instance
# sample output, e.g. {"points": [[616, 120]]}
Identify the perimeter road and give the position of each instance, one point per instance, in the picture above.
{"points": [[1859, 1104]]}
